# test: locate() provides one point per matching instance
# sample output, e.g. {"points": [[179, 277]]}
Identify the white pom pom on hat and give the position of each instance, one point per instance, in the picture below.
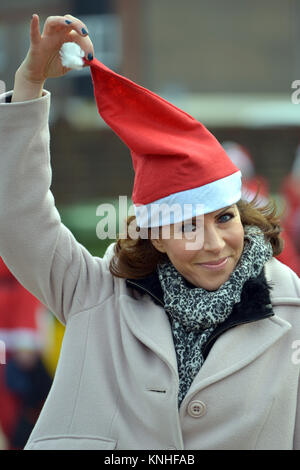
{"points": [[71, 55]]}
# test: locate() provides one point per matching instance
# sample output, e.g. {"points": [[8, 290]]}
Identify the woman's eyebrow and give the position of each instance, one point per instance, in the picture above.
{"points": [[224, 210], [194, 219]]}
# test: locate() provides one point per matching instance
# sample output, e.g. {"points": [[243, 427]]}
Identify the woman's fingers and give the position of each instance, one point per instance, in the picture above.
{"points": [[63, 24], [82, 39], [85, 43], [43, 59], [35, 35], [77, 25], [69, 28]]}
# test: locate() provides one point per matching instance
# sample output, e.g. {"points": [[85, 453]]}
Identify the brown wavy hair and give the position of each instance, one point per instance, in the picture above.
{"points": [[137, 258]]}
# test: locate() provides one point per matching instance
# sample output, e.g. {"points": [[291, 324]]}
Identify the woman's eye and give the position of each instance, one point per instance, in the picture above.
{"points": [[226, 217]]}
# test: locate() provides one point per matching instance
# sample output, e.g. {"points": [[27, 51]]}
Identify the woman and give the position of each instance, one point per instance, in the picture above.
{"points": [[171, 342]]}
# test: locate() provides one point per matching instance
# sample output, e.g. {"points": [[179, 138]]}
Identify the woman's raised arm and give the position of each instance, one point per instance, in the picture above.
{"points": [[38, 249]]}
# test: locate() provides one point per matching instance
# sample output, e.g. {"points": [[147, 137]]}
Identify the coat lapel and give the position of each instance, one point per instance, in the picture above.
{"points": [[236, 348], [150, 324]]}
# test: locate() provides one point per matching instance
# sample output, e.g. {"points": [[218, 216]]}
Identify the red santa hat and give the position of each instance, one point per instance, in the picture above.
{"points": [[178, 163]]}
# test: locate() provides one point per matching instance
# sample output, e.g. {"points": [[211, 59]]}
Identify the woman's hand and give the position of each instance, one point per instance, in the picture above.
{"points": [[43, 59]]}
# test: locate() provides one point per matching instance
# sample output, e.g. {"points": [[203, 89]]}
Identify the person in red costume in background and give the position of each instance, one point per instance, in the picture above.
{"points": [[24, 381], [290, 191], [253, 184]]}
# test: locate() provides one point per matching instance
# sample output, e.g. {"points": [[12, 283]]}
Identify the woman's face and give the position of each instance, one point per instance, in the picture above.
{"points": [[207, 260]]}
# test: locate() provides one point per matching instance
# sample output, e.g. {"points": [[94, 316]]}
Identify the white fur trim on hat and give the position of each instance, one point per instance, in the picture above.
{"points": [[190, 203], [71, 55]]}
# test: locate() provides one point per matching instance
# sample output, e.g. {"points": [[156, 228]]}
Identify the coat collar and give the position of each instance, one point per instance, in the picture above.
{"points": [[258, 329], [255, 302]]}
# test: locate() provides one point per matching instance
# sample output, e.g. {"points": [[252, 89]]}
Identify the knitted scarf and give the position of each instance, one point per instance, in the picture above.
{"points": [[195, 312]]}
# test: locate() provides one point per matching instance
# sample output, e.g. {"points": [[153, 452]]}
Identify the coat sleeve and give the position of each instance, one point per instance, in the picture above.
{"points": [[39, 250]]}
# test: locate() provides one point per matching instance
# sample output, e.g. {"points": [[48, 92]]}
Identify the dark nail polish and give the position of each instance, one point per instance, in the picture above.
{"points": [[68, 21], [90, 56], [84, 31]]}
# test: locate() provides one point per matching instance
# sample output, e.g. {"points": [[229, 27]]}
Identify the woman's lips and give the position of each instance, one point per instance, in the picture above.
{"points": [[215, 265]]}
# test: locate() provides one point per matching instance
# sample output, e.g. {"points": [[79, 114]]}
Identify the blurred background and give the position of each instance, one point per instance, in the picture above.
{"points": [[230, 64]]}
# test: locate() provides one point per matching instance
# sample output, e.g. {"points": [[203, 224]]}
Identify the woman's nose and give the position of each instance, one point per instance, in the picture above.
{"points": [[213, 241]]}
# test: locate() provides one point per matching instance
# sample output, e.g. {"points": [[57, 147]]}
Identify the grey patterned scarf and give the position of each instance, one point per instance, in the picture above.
{"points": [[195, 312]]}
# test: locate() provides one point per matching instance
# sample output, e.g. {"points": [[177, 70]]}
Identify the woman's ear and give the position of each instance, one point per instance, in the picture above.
{"points": [[158, 244]]}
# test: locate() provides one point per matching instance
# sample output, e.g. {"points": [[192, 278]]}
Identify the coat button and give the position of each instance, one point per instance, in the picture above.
{"points": [[196, 408]]}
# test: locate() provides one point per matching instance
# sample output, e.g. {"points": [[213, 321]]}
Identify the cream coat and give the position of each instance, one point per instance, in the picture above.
{"points": [[116, 381]]}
